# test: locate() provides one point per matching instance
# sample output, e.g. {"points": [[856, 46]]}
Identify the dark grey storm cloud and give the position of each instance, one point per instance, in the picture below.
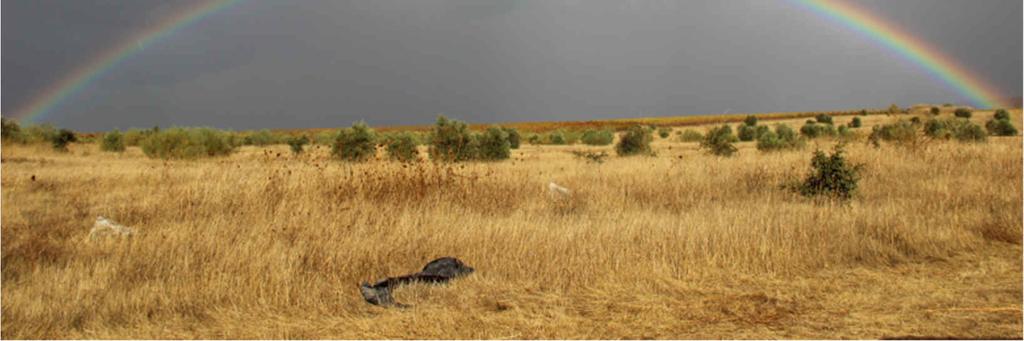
{"points": [[266, 64]]}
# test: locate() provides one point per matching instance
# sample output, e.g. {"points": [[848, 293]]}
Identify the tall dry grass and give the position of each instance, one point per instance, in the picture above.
{"points": [[263, 244]]}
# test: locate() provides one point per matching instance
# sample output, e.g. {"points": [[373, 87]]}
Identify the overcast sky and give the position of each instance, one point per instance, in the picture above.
{"points": [[309, 63]]}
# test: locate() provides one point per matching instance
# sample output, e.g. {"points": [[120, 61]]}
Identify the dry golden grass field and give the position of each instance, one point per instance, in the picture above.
{"points": [[263, 244]]}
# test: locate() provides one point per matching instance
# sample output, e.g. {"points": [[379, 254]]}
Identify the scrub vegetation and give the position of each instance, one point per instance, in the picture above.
{"points": [[789, 237]]}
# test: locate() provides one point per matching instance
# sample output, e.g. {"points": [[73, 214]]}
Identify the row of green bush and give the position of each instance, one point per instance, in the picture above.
{"points": [[958, 128], [450, 140], [12, 132]]}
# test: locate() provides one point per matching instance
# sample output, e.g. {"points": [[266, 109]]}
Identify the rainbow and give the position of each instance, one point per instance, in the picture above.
{"points": [[971, 86], [46, 100]]}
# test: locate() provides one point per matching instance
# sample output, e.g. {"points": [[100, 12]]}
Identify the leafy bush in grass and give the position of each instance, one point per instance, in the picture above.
{"points": [[557, 137], [514, 138], [133, 137], [690, 135], [112, 142], [959, 129], [962, 113], [598, 137], [493, 144], [901, 132], [296, 143], [719, 141], [39, 133], [815, 130], [970, 132], [11, 131], [823, 118], [855, 122], [935, 110], [186, 143], [357, 143], [1001, 127], [1001, 114], [635, 140], [831, 176], [782, 138], [402, 147], [451, 141], [751, 120], [746, 132], [535, 139], [260, 138], [664, 132], [61, 140]]}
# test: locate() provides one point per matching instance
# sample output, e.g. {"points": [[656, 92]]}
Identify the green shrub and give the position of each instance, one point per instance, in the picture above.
{"points": [[783, 138], [1001, 114], [598, 137], [719, 141], [962, 113], [635, 140], [112, 142], [357, 143], [133, 137], [863, 112], [970, 132], [690, 135], [39, 133], [402, 147], [513, 137], [11, 131], [814, 130], [451, 141], [535, 139], [938, 128], [831, 176], [185, 143], [935, 110], [1001, 127], [751, 120], [746, 132], [296, 143], [664, 132], [62, 138], [902, 132], [959, 129], [855, 122], [260, 138], [823, 118], [758, 130], [494, 145], [557, 137]]}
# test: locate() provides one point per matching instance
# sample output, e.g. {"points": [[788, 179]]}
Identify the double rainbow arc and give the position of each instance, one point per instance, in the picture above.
{"points": [[971, 86], [40, 105]]}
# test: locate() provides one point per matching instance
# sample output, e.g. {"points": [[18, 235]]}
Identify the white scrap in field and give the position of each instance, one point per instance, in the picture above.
{"points": [[556, 190], [105, 227]]}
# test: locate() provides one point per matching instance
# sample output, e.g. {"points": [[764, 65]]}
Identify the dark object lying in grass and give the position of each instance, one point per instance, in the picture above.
{"points": [[440, 270]]}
